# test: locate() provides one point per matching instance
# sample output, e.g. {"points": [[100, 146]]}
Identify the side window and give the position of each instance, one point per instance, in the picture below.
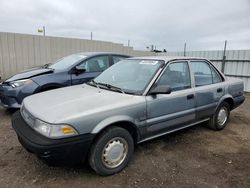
{"points": [[117, 58], [216, 77], [202, 73], [96, 64], [177, 76]]}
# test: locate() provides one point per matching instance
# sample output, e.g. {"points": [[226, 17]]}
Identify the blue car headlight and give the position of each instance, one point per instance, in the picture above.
{"points": [[19, 83]]}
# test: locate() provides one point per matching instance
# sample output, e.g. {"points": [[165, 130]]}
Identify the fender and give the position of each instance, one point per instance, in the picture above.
{"points": [[111, 120], [227, 96]]}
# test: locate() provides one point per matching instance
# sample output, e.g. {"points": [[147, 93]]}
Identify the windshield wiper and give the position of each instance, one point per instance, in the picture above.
{"points": [[115, 88], [108, 86], [111, 87], [93, 83]]}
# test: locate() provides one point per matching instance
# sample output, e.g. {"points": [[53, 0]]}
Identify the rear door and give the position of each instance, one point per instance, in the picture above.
{"points": [[166, 112], [208, 88], [93, 66]]}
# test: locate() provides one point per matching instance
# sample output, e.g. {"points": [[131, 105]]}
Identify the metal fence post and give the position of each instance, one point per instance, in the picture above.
{"points": [[185, 46], [44, 31], [224, 58]]}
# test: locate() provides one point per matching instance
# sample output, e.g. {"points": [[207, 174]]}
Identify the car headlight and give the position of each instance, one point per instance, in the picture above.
{"points": [[54, 131], [19, 83]]}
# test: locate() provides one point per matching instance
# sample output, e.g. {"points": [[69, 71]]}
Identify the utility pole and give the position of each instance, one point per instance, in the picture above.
{"points": [[185, 46], [152, 48], [224, 57], [91, 35], [44, 31]]}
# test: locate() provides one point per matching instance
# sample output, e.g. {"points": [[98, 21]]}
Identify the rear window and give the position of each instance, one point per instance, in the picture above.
{"points": [[202, 73]]}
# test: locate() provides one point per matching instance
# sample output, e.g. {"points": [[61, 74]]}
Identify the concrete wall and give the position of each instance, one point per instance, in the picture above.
{"points": [[20, 51], [237, 62]]}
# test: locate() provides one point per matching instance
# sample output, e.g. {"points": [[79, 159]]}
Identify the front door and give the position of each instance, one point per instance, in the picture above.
{"points": [[93, 67], [166, 112]]}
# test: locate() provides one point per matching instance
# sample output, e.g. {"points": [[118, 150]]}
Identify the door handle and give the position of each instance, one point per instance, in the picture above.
{"points": [[219, 90], [191, 96]]}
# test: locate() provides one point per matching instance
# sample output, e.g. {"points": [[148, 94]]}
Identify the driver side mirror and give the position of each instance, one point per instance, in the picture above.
{"points": [[79, 69], [160, 90]]}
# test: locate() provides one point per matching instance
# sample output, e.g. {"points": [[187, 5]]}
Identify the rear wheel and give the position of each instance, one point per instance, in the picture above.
{"points": [[111, 151], [220, 119]]}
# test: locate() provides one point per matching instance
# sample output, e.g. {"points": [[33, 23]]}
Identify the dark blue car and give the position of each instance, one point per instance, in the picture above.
{"points": [[70, 70]]}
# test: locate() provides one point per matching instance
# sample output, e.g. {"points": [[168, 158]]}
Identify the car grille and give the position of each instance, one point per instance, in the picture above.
{"points": [[28, 117]]}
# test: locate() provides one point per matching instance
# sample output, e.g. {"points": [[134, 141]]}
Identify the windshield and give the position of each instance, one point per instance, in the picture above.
{"points": [[66, 62], [131, 75]]}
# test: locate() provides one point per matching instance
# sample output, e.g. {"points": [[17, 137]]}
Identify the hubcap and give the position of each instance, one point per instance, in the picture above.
{"points": [[222, 116], [115, 152]]}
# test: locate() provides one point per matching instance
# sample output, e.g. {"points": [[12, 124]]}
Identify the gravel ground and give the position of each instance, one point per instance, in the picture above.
{"points": [[194, 157]]}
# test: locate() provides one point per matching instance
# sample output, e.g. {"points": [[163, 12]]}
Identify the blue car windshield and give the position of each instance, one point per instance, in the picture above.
{"points": [[130, 75], [66, 62]]}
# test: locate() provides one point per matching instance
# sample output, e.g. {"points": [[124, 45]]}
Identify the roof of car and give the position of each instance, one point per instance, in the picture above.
{"points": [[169, 58], [100, 53], [164, 58]]}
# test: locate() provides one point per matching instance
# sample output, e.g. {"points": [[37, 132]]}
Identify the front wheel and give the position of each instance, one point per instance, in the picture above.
{"points": [[111, 151], [220, 119]]}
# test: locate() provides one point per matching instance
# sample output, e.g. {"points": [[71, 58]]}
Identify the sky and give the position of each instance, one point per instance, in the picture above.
{"points": [[166, 24]]}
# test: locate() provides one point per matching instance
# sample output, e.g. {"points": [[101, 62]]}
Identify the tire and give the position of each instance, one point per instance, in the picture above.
{"points": [[217, 123], [112, 142]]}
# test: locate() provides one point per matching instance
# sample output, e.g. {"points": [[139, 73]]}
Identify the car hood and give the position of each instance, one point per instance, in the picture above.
{"points": [[29, 73], [61, 105]]}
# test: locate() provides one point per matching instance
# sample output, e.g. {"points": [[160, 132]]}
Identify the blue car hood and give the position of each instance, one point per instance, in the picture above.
{"points": [[29, 74]]}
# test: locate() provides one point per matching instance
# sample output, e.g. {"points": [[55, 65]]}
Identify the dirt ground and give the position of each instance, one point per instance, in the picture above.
{"points": [[194, 157]]}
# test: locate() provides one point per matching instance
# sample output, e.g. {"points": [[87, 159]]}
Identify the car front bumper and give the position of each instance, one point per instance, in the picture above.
{"points": [[12, 97], [58, 151], [8, 97]]}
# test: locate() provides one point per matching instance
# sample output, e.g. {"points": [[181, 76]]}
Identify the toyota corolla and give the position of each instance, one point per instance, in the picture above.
{"points": [[133, 101]]}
